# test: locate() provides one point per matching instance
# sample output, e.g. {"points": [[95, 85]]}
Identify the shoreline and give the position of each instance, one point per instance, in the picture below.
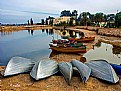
{"points": [[23, 82]]}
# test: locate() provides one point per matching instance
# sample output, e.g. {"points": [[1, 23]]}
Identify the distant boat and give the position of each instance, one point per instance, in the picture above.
{"points": [[67, 70], [43, 69], [103, 70], [83, 69], [117, 68], [84, 39], [81, 49], [18, 65]]}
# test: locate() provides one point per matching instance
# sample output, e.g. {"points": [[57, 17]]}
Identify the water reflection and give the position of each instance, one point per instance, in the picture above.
{"points": [[68, 33], [20, 43], [3, 33], [47, 31], [115, 49], [30, 32], [43, 30], [104, 51]]}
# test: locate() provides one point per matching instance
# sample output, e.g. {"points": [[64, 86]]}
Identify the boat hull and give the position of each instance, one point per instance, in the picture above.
{"points": [[83, 69], [67, 70], [68, 50], [86, 39], [43, 69], [18, 65], [103, 70], [117, 68]]}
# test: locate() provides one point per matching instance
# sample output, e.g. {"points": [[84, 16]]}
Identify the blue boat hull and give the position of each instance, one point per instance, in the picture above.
{"points": [[117, 68]]}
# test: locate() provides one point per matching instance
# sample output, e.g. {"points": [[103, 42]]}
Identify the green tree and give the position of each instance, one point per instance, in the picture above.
{"points": [[85, 20], [31, 21], [42, 21], [111, 20], [28, 22], [118, 20], [99, 17]]}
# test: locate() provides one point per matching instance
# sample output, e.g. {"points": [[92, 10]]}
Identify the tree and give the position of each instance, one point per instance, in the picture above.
{"points": [[42, 21], [28, 22], [71, 22], [74, 16], [65, 13], [51, 22], [31, 21], [92, 19], [111, 20], [99, 17], [84, 18], [118, 20]]}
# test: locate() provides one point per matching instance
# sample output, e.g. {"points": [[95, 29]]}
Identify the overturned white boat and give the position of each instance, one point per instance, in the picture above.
{"points": [[43, 69], [67, 70], [103, 70], [83, 69], [18, 65]]}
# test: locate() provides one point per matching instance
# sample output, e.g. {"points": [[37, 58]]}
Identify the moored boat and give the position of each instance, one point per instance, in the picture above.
{"points": [[103, 70], [83, 39], [18, 65], [83, 69], [43, 69], [117, 68], [67, 70], [81, 49]]}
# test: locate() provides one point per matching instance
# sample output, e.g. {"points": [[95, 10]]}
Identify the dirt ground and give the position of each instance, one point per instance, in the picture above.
{"points": [[23, 82]]}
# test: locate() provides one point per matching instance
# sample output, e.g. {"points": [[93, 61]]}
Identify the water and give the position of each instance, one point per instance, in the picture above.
{"points": [[104, 51], [35, 45], [27, 43]]}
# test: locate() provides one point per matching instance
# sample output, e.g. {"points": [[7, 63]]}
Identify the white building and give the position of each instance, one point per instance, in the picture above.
{"points": [[59, 20]]}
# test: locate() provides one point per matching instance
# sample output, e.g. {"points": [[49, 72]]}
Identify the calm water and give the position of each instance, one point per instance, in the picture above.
{"points": [[35, 45], [26, 43], [104, 51]]}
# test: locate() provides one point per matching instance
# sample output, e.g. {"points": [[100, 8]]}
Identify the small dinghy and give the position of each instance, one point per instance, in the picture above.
{"points": [[18, 65], [43, 69], [103, 70], [67, 70], [117, 68], [83, 69]]}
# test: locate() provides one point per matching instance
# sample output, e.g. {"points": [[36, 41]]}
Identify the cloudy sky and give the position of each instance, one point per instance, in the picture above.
{"points": [[19, 11]]}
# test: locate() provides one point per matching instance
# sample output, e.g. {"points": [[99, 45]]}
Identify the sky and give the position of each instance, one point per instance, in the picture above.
{"points": [[20, 11]]}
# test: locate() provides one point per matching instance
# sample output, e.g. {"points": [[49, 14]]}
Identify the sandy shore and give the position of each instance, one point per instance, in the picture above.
{"points": [[23, 82], [27, 27]]}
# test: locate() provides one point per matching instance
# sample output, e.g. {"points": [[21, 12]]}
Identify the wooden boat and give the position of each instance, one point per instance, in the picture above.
{"points": [[83, 39], [81, 49], [117, 68], [43, 69], [83, 69], [60, 41], [103, 70], [18, 65], [66, 69]]}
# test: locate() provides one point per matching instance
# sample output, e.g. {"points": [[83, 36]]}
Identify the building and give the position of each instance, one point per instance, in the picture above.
{"points": [[66, 17], [62, 19]]}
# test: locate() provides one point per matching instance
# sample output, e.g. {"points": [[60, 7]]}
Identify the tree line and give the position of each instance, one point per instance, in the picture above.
{"points": [[85, 19]]}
